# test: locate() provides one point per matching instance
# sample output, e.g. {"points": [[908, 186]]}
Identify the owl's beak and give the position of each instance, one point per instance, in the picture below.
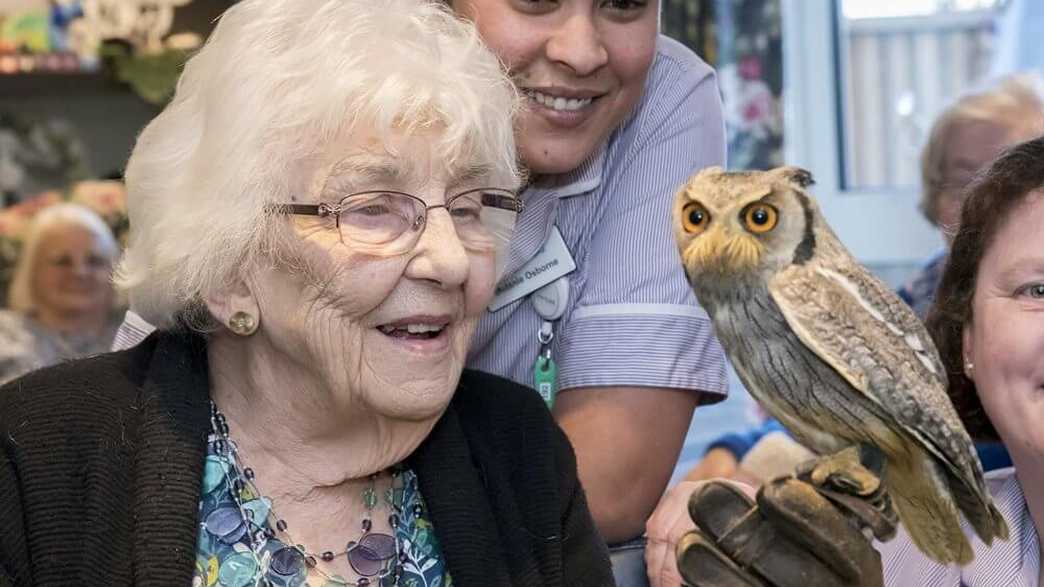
{"points": [[722, 252]]}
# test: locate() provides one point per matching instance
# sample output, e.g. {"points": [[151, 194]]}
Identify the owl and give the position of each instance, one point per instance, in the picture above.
{"points": [[829, 350]]}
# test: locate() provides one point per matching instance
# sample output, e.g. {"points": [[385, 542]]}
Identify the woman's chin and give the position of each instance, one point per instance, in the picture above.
{"points": [[414, 401], [413, 379]]}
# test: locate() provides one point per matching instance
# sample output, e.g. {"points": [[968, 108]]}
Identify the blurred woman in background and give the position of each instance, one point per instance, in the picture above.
{"points": [[61, 297], [963, 139]]}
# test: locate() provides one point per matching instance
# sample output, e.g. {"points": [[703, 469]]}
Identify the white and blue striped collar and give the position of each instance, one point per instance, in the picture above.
{"points": [[534, 225], [583, 180]]}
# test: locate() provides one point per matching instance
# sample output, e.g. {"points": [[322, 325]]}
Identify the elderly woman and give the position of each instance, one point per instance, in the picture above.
{"points": [[61, 296], [988, 323], [965, 137], [615, 117], [316, 220]]}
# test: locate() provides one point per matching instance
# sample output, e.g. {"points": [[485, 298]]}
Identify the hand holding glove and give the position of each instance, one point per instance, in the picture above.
{"points": [[813, 528]]}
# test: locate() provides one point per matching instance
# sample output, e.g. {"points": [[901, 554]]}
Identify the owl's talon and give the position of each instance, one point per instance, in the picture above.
{"points": [[842, 472]]}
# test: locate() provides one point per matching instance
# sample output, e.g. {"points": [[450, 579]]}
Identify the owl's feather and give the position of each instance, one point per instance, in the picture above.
{"points": [[831, 351], [873, 340], [876, 343]]}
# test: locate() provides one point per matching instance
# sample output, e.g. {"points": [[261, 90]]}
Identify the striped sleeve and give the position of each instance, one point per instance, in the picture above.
{"points": [[637, 321]]}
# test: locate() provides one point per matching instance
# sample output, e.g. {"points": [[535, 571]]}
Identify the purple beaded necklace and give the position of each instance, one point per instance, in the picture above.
{"points": [[374, 556]]}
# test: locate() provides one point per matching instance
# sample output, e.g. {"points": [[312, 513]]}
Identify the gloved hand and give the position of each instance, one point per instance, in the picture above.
{"points": [[806, 530]]}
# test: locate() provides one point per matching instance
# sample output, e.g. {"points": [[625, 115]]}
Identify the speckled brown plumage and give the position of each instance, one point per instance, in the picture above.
{"points": [[829, 350]]}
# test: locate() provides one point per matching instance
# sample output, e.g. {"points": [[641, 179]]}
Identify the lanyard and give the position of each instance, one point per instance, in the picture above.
{"points": [[550, 303]]}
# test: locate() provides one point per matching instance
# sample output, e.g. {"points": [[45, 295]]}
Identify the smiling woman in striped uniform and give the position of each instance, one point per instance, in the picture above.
{"points": [[988, 322]]}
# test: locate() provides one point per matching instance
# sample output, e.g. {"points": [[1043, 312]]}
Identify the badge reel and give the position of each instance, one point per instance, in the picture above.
{"points": [[549, 303]]}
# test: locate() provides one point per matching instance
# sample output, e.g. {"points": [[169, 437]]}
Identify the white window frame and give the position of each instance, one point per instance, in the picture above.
{"points": [[879, 227]]}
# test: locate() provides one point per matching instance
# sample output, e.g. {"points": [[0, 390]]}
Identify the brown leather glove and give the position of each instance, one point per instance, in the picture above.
{"points": [[806, 530]]}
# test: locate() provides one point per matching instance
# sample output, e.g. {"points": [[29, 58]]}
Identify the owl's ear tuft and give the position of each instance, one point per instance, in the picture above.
{"points": [[709, 172], [798, 176]]}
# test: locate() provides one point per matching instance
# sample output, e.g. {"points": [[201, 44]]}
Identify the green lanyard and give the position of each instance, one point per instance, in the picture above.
{"points": [[545, 372], [549, 303]]}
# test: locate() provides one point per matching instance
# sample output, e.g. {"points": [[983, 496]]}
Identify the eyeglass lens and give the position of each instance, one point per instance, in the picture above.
{"points": [[382, 218]]}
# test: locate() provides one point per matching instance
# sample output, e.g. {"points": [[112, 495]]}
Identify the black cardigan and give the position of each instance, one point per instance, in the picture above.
{"points": [[102, 463]]}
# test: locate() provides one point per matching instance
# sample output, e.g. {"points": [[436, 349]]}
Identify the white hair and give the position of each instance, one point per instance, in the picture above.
{"points": [[277, 82], [20, 294]]}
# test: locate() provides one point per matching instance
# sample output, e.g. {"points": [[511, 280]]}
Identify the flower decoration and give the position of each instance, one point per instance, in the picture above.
{"points": [[743, 40]]}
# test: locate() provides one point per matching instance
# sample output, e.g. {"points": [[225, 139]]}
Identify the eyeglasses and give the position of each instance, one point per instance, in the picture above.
{"points": [[484, 218]]}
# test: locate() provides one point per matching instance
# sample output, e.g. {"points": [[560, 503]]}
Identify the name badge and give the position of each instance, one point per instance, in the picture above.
{"points": [[550, 301], [551, 262]]}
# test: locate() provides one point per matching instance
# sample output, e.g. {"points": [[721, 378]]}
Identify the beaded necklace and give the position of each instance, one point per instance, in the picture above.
{"points": [[374, 556]]}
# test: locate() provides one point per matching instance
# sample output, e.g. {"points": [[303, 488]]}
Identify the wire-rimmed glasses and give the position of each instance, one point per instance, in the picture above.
{"points": [[484, 218]]}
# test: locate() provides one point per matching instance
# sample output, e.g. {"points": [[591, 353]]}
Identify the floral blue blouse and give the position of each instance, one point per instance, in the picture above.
{"points": [[225, 554]]}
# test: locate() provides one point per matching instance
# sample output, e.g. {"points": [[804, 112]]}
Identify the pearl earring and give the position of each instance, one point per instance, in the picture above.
{"points": [[969, 368], [242, 324]]}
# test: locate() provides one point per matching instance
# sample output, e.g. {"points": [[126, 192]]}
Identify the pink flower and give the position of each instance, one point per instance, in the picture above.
{"points": [[12, 225], [107, 198], [757, 109], [14, 220], [750, 68], [29, 207]]}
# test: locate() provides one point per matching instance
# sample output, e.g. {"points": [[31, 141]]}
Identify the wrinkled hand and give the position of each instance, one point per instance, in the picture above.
{"points": [[664, 529], [670, 520], [801, 531]]}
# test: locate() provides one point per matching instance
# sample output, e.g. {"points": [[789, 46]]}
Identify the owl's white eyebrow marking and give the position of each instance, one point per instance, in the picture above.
{"points": [[758, 193]]}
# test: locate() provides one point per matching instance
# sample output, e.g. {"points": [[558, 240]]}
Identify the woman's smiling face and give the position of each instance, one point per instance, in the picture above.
{"points": [[581, 64], [1004, 342], [386, 330]]}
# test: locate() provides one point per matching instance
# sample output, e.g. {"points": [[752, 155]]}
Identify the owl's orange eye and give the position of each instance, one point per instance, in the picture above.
{"points": [[695, 218], [759, 218]]}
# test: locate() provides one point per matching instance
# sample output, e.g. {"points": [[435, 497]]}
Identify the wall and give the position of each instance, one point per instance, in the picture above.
{"points": [[107, 114]]}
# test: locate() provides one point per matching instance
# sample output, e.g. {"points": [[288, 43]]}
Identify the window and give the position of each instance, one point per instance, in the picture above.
{"points": [[882, 228], [901, 61]]}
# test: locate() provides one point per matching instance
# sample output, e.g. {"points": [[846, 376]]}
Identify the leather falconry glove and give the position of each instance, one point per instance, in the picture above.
{"points": [[805, 530]]}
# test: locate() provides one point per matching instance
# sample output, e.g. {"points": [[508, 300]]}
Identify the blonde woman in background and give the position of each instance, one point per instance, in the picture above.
{"points": [[61, 297], [963, 139]]}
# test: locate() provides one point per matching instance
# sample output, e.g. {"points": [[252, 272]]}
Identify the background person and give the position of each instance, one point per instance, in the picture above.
{"points": [[61, 296], [316, 226], [964, 138]]}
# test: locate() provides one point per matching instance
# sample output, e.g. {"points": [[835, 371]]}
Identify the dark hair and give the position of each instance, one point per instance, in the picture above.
{"points": [[989, 201]]}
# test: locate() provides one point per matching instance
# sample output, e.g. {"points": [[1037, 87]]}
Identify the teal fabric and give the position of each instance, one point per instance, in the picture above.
{"points": [[223, 552]]}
